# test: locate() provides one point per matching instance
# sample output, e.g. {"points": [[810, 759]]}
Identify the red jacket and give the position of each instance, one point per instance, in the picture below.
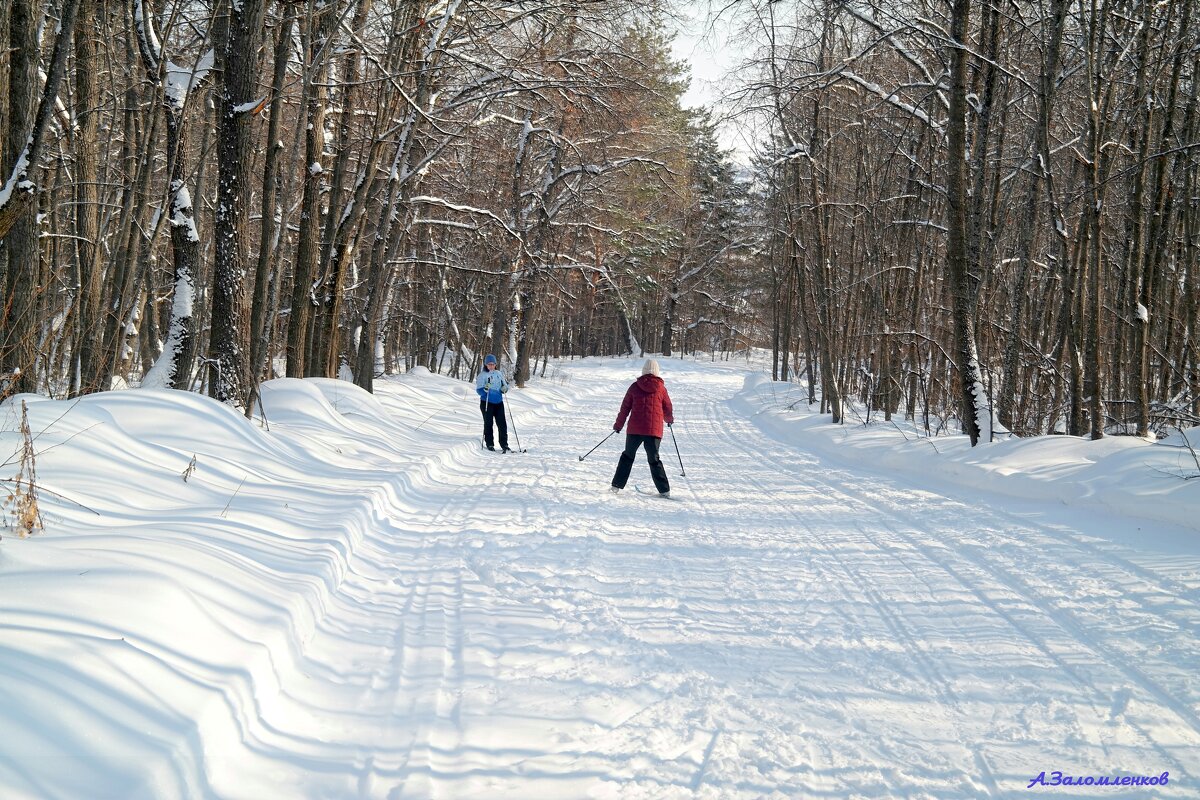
{"points": [[647, 406]]}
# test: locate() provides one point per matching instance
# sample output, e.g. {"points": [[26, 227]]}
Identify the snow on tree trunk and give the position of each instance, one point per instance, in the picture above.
{"points": [[165, 373], [635, 347]]}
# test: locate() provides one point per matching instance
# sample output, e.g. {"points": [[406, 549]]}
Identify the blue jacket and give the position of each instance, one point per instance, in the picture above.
{"points": [[491, 386]]}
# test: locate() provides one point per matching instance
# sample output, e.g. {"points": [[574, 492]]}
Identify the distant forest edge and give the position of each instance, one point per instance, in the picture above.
{"points": [[973, 209]]}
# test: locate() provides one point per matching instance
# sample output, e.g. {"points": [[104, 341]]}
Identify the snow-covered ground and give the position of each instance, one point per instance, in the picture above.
{"points": [[353, 600]]}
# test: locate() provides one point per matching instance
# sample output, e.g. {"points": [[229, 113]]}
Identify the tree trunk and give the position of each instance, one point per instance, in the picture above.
{"points": [[315, 97], [1157, 230], [174, 365], [17, 342], [975, 414], [668, 324], [342, 220], [1028, 229], [89, 272], [228, 346], [23, 142], [260, 311]]}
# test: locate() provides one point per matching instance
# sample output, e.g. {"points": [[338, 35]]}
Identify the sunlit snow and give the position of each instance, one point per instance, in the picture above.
{"points": [[348, 598]]}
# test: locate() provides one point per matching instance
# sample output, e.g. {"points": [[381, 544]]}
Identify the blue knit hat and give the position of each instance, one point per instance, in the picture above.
{"points": [[491, 359]]}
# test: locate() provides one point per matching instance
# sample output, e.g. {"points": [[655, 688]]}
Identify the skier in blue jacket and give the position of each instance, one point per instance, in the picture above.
{"points": [[491, 386]]}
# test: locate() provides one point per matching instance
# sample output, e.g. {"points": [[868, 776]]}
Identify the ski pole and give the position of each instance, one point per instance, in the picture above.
{"points": [[682, 471], [513, 421], [602, 441]]}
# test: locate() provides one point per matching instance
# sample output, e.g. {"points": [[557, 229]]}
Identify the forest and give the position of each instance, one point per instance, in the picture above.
{"points": [[983, 215]]}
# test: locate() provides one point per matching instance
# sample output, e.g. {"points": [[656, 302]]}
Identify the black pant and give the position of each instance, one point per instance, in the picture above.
{"points": [[494, 411], [657, 471]]}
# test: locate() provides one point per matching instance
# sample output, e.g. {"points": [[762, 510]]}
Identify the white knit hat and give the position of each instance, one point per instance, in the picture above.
{"points": [[651, 367]]}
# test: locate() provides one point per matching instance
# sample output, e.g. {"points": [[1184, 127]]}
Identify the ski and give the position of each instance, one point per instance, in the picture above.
{"points": [[654, 493], [483, 446]]}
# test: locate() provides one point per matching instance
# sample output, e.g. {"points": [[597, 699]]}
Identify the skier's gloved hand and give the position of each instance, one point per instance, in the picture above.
{"points": [[670, 424], [617, 428]]}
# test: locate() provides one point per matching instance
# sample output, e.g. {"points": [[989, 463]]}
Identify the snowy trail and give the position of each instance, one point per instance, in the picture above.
{"points": [[424, 619], [860, 639]]}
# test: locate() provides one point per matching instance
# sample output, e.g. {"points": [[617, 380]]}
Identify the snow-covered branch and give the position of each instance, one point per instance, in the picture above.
{"points": [[439, 201]]}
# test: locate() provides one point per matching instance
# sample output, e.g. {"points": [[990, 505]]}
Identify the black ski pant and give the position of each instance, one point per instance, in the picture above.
{"points": [[625, 464], [494, 412]]}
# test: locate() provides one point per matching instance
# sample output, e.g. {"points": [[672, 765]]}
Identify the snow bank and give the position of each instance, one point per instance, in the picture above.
{"points": [[190, 554], [1118, 474]]}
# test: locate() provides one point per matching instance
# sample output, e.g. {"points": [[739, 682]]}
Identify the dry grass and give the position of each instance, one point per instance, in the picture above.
{"points": [[21, 512]]}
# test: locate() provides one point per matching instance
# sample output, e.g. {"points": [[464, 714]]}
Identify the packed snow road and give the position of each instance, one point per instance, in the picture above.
{"points": [[502, 626]]}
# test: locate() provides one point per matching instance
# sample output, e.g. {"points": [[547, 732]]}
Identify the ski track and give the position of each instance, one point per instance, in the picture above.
{"points": [[859, 640], [1050, 604], [508, 628]]}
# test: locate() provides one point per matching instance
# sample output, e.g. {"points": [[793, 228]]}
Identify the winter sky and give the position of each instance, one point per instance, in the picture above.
{"points": [[705, 44]]}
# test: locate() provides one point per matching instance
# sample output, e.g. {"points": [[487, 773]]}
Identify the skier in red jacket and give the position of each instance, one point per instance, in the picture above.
{"points": [[647, 406]]}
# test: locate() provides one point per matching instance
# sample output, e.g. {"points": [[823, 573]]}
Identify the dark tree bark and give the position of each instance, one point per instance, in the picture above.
{"points": [[260, 310], [18, 228], [1160, 224], [23, 143], [315, 98], [972, 400], [238, 49], [340, 223], [89, 272]]}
